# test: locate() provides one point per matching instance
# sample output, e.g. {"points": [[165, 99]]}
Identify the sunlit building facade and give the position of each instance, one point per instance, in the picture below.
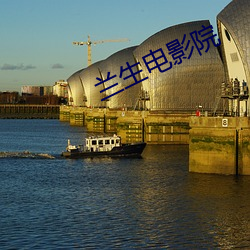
{"points": [[60, 89], [37, 90]]}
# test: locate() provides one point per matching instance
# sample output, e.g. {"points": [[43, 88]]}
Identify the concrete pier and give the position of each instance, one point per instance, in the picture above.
{"points": [[219, 145], [132, 126]]}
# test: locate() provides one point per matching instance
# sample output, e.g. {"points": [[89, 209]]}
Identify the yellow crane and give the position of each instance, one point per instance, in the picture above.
{"points": [[89, 43]]}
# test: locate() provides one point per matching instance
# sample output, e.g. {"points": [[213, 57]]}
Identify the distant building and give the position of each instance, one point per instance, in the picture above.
{"points": [[30, 90], [9, 97], [40, 100], [39, 95], [37, 90], [60, 89], [47, 90]]}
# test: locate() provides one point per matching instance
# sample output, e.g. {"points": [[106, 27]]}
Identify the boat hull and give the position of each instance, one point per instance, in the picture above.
{"points": [[126, 150]]}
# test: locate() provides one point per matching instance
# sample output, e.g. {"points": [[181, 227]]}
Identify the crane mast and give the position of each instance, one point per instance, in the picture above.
{"points": [[89, 43]]}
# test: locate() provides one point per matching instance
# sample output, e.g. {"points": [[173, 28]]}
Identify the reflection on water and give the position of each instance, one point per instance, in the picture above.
{"points": [[224, 200], [107, 203]]}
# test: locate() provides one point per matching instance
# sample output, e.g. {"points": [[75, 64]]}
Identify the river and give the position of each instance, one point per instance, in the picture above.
{"points": [[48, 202]]}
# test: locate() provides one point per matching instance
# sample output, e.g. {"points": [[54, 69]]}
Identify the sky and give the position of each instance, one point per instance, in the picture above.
{"points": [[36, 35]]}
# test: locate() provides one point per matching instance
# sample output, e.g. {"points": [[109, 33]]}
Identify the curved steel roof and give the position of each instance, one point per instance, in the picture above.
{"points": [[113, 65], [88, 78], [236, 18], [186, 85], [76, 89]]}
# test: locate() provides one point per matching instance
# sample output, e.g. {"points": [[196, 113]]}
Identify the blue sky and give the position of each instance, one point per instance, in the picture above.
{"points": [[36, 35]]}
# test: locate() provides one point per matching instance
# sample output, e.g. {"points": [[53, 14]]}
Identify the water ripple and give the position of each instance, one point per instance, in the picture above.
{"points": [[148, 203], [26, 154]]}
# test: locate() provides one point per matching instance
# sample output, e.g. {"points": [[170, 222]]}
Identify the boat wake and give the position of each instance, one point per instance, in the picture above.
{"points": [[26, 154]]}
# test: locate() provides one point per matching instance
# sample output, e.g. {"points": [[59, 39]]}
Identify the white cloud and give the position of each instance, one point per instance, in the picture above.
{"points": [[21, 66], [57, 66]]}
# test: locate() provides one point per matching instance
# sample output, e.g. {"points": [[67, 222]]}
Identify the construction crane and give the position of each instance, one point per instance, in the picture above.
{"points": [[89, 43]]}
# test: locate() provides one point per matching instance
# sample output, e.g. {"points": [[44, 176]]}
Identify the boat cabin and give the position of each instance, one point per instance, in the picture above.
{"points": [[105, 143]]}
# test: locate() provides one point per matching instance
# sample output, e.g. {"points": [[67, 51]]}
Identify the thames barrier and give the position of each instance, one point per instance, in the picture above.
{"points": [[194, 69], [217, 145]]}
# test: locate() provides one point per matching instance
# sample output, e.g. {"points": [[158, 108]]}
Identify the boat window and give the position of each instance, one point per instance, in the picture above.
{"points": [[117, 141], [93, 142], [107, 142], [87, 142], [112, 141], [100, 142]]}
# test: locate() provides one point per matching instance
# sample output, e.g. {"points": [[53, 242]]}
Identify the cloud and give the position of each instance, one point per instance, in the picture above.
{"points": [[57, 66], [7, 66], [29, 67]]}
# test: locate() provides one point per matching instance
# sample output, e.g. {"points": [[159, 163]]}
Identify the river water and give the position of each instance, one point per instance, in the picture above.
{"points": [[149, 203]]}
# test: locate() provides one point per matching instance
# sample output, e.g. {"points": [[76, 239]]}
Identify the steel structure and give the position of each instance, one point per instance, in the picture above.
{"points": [[182, 88], [191, 83], [88, 78], [126, 98], [76, 91], [234, 30]]}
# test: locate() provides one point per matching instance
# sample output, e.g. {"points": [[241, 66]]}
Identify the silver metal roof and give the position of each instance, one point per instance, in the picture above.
{"points": [[76, 89], [236, 18], [184, 86], [88, 78], [113, 65]]}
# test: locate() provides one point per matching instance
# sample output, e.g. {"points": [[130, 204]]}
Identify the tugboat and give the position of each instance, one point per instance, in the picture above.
{"points": [[96, 146]]}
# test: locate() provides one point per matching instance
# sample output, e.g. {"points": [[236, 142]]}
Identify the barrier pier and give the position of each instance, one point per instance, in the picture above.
{"points": [[132, 126], [219, 145]]}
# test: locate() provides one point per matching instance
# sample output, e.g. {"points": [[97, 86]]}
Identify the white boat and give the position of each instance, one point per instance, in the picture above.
{"points": [[103, 146]]}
